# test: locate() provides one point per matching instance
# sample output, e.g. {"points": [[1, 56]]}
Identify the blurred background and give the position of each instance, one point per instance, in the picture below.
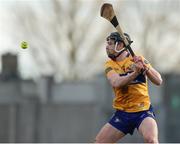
{"points": [[56, 90]]}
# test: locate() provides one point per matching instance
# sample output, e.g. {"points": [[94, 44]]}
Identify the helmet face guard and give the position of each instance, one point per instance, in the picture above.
{"points": [[117, 39], [113, 56]]}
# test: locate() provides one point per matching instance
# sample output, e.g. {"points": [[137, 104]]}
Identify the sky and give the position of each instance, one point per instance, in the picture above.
{"points": [[27, 67]]}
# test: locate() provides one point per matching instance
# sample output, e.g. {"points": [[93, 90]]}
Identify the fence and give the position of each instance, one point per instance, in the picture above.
{"points": [[75, 111]]}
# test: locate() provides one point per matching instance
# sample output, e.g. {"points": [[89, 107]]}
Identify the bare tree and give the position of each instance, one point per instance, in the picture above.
{"points": [[65, 37], [157, 28]]}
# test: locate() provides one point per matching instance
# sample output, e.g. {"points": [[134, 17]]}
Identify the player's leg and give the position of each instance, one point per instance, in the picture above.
{"points": [[149, 130], [109, 134]]}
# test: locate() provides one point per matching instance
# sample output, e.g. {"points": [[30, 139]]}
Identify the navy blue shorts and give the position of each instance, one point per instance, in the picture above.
{"points": [[127, 122]]}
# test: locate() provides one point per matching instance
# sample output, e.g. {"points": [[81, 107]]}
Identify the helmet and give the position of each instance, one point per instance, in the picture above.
{"points": [[116, 36]]}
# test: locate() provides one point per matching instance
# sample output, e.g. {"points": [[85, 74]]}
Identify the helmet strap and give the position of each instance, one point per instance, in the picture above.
{"points": [[115, 48], [112, 56]]}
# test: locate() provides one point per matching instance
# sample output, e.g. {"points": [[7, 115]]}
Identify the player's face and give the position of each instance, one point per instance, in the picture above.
{"points": [[110, 46]]}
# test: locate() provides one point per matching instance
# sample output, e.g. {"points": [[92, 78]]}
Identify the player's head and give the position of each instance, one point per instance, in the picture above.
{"points": [[115, 45]]}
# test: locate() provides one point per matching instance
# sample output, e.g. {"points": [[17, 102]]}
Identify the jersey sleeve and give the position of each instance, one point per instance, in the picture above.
{"points": [[108, 68]]}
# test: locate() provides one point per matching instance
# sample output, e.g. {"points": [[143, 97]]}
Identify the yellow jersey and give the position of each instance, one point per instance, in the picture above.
{"points": [[133, 97]]}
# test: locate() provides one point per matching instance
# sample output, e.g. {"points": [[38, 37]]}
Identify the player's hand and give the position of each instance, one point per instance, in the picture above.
{"points": [[138, 59], [138, 67]]}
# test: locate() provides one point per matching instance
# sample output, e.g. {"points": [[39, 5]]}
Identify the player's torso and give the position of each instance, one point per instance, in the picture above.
{"points": [[134, 96]]}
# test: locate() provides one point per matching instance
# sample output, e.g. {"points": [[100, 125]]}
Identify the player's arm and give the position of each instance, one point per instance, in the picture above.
{"points": [[119, 81], [153, 75]]}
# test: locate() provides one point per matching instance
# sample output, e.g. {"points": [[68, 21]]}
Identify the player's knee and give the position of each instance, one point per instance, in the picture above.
{"points": [[149, 138], [98, 140]]}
